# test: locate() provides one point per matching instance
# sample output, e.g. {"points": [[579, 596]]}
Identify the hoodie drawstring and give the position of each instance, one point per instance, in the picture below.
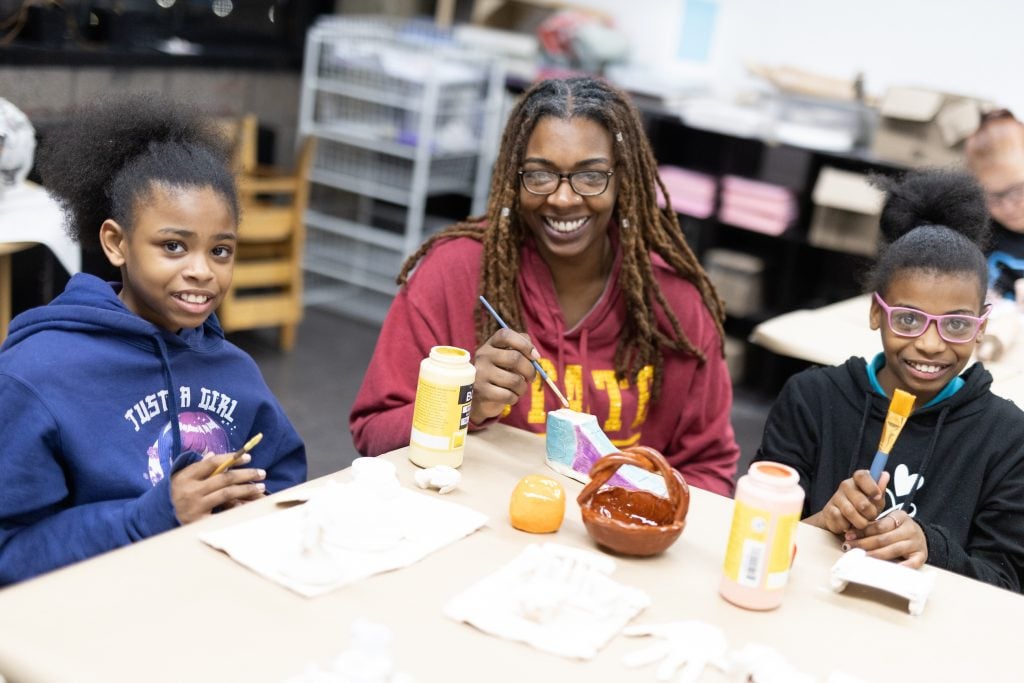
{"points": [[165, 365], [584, 341], [854, 457], [927, 457]]}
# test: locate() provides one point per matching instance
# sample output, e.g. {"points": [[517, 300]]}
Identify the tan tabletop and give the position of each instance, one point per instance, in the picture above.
{"points": [[831, 334], [173, 609]]}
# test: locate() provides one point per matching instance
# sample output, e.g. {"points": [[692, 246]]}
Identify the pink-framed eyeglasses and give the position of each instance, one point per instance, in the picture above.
{"points": [[954, 328]]}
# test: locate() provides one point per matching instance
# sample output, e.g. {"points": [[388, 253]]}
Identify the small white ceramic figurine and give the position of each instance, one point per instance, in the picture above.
{"points": [[441, 477]]}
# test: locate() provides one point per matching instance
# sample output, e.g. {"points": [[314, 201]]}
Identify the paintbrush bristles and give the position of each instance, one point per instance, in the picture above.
{"points": [[251, 443], [902, 402], [899, 409], [900, 405]]}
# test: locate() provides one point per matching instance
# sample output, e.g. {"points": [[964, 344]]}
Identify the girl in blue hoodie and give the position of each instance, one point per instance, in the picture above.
{"points": [[120, 400]]}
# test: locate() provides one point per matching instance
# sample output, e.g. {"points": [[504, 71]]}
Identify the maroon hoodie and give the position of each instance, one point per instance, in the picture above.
{"points": [[689, 424]]}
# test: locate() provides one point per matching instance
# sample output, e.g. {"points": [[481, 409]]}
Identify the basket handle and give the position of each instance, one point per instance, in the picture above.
{"points": [[645, 458]]}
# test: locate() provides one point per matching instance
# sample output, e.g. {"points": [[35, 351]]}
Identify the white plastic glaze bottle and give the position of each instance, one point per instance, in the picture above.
{"points": [[440, 418], [762, 540]]}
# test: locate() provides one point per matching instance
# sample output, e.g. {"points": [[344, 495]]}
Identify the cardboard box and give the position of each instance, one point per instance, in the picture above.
{"points": [[523, 16], [846, 211], [738, 278], [925, 127]]}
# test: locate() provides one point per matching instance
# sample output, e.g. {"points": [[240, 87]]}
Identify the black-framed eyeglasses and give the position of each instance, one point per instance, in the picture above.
{"points": [[954, 328], [583, 183]]}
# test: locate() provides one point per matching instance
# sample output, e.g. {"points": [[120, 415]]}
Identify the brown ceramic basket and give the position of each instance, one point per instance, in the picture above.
{"points": [[634, 522]]}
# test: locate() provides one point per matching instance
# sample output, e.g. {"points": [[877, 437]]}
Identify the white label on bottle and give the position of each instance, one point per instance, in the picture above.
{"points": [[752, 564], [431, 441]]}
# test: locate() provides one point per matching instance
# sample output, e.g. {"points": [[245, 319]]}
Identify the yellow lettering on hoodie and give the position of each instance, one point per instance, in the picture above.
{"points": [[628, 441], [537, 414], [643, 398], [604, 380], [574, 386]]}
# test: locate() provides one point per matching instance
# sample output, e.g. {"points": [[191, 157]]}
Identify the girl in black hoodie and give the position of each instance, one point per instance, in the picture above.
{"points": [[952, 494]]}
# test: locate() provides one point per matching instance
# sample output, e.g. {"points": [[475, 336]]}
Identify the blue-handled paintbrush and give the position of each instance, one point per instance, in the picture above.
{"points": [[899, 409], [536, 365]]}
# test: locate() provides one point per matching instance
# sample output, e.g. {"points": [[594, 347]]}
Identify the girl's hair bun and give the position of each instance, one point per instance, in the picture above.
{"points": [[939, 196]]}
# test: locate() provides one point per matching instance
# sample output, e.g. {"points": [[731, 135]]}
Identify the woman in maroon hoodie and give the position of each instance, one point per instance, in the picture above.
{"points": [[596, 282]]}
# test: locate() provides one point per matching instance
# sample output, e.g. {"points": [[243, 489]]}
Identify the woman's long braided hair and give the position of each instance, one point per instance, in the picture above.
{"points": [[649, 227]]}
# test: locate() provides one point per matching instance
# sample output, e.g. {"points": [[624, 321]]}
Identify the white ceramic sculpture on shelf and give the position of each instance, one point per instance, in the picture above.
{"points": [[17, 146]]}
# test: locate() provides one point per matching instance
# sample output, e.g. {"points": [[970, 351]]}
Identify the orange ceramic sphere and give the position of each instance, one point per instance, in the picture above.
{"points": [[537, 505]]}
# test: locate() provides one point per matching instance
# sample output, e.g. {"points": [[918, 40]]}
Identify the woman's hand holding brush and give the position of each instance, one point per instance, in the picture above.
{"points": [[506, 366], [503, 373]]}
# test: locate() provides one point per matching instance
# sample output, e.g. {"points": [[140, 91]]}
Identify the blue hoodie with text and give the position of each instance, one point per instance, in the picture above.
{"points": [[97, 408]]}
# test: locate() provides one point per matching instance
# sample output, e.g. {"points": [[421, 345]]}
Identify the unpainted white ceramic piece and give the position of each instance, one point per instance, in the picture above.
{"points": [[855, 566], [444, 478], [758, 663], [368, 659], [556, 598], [688, 645]]}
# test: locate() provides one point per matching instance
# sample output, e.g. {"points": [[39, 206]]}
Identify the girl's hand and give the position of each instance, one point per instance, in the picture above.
{"points": [[894, 537], [503, 373], [195, 494], [855, 504]]}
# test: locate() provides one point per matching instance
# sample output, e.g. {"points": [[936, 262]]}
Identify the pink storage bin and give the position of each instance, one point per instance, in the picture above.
{"points": [[746, 186], [692, 193], [758, 222], [770, 208]]}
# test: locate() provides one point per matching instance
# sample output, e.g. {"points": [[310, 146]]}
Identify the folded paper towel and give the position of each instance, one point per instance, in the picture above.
{"points": [[556, 598], [345, 532]]}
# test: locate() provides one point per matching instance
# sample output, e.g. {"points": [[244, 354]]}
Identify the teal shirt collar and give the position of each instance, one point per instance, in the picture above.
{"points": [[878, 362]]}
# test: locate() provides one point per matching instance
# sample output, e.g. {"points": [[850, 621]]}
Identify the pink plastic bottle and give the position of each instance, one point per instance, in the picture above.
{"points": [[762, 541]]}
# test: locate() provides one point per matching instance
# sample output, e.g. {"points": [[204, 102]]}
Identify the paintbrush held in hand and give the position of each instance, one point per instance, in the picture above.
{"points": [[536, 365], [249, 445], [899, 409]]}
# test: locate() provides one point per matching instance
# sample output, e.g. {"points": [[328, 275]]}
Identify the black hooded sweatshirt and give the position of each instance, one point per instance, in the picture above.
{"points": [[966, 454]]}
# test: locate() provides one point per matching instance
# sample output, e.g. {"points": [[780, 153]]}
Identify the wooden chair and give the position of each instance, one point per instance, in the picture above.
{"points": [[266, 290]]}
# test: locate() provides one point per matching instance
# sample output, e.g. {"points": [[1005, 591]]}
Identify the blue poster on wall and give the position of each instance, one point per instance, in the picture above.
{"points": [[697, 30]]}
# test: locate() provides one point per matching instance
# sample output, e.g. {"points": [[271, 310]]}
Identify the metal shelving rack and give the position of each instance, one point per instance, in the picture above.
{"points": [[400, 113]]}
